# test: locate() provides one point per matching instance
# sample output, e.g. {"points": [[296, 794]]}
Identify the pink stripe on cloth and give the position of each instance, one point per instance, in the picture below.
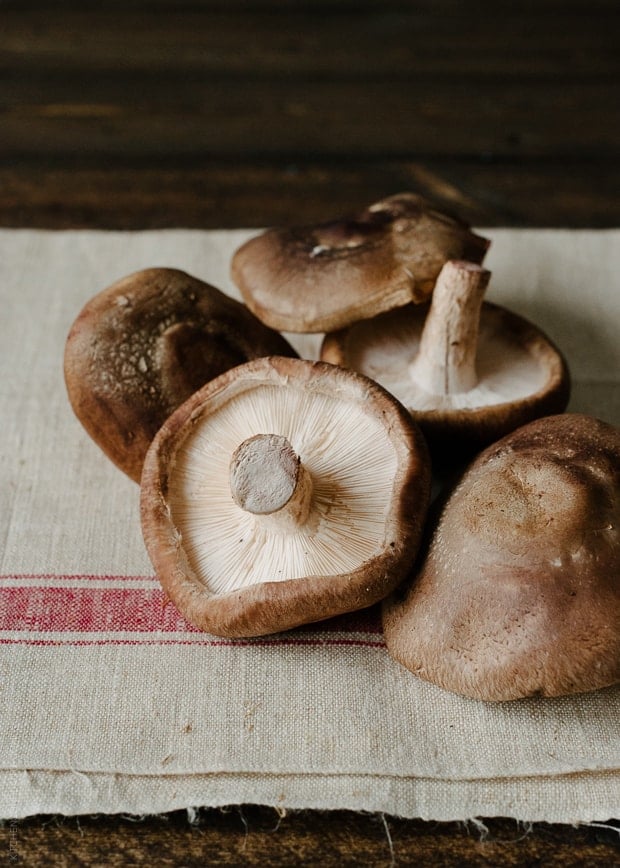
{"points": [[88, 609], [211, 642], [13, 577]]}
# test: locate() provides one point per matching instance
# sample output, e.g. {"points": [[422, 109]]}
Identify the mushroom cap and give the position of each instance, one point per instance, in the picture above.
{"points": [[521, 375], [142, 346], [321, 278], [231, 574], [519, 593]]}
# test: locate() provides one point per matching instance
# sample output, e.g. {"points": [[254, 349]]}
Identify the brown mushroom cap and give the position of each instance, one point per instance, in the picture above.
{"points": [[321, 278], [141, 347], [343, 481], [519, 593], [480, 379]]}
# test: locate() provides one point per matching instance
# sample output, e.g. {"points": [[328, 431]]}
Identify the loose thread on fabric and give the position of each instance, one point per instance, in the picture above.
{"points": [[389, 840]]}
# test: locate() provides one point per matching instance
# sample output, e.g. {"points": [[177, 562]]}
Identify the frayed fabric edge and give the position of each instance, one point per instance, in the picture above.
{"points": [[575, 799]]}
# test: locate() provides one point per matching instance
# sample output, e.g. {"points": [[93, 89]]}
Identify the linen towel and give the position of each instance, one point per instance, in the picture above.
{"points": [[111, 702]]}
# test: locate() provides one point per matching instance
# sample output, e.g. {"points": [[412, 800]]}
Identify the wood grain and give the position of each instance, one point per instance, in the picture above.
{"points": [[152, 115], [254, 113], [259, 836], [395, 40], [159, 193]]}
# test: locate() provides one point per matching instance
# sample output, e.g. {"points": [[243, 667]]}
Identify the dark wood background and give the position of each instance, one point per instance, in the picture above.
{"points": [[131, 114], [135, 113]]}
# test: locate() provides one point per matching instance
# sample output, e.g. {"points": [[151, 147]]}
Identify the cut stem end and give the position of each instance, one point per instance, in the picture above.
{"points": [[268, 480]]}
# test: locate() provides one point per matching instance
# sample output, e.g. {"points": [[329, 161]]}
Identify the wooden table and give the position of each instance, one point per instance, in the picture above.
{"points": [[151, 113]]}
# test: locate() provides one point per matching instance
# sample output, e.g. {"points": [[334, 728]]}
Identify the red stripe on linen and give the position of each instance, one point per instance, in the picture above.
{"points": [[69, 576], [34, 610], [211, 642], [89, 610]]}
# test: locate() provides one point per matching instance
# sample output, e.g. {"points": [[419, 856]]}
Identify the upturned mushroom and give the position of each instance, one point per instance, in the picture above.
{"points": [[281, 493], [322, 278], [142, 346], [467, 370], [519, 593]]}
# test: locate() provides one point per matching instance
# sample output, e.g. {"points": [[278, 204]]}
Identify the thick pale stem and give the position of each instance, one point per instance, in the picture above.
{"points": [[446, 359], [268, 479]]}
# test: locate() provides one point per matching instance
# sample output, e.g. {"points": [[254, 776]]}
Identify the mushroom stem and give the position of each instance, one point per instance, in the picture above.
{"points": [[446, 360], [268, 480]]}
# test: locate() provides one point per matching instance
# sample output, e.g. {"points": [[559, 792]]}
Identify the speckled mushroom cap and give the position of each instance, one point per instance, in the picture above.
{"points": [[322, 278], [283, 492], [519, 593], [468, 371], [142, 346]]}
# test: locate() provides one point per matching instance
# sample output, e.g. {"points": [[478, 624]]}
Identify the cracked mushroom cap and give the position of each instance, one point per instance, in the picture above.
{"points": [[322, 278], [142, 346], [519, 593], [283, 492], [468, 371]]}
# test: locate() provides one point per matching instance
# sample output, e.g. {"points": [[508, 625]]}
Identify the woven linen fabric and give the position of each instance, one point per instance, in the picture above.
{"points": [[111, 702]]}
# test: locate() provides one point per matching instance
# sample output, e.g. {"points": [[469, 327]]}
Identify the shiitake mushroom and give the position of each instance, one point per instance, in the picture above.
{"points": [[519, 591], [467, 370], [320, 278], [142, 346], [283, 492]]}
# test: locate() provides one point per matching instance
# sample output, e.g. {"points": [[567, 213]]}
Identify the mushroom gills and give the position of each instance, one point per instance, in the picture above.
{"points": [[331, 525], [467, 371], [383, 349]]}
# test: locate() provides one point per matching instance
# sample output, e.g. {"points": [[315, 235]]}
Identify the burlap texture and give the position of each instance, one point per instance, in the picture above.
{"points": [[111, 702]]}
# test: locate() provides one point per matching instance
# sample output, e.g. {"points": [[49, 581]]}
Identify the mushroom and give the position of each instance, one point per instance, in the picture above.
{"points": [[467, 370], [519, 593], [142, 346], [283, 492], [322, 278]]}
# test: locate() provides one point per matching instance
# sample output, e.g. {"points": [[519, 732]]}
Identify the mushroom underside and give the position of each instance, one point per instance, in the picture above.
{"points": [[509, 368], [517, 375], [228, 547], [281, 493]]}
